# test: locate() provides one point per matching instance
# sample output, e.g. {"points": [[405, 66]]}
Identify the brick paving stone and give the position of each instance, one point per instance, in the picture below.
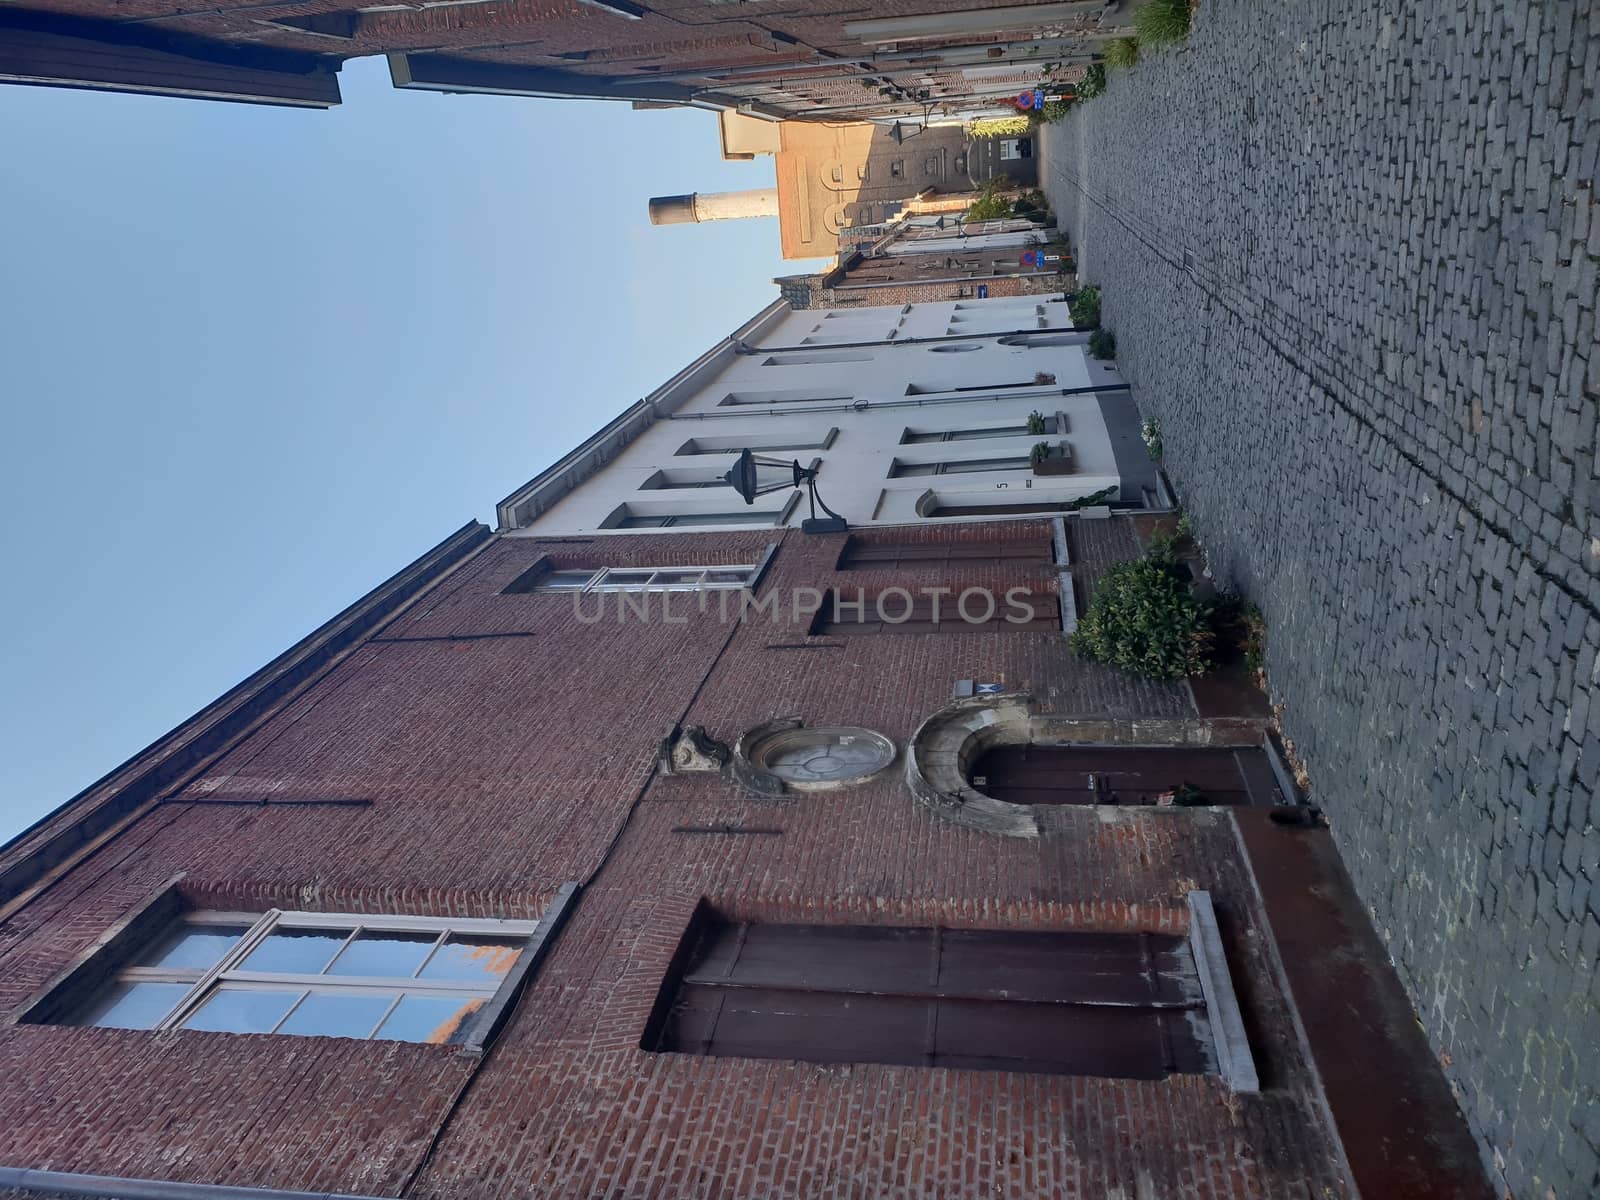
{"points": [[1349, 253]]}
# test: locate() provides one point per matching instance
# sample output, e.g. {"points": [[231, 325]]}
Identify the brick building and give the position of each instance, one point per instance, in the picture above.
{"points": [[684, 906], [841, 182], [918, 260], [827, 60]]}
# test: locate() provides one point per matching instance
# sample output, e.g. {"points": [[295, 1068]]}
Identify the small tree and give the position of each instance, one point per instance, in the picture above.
{"points": [[1146, 620], [992, 204], [1084, 304]]}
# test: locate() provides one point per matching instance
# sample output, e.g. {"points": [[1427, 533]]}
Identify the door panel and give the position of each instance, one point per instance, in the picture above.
{"points": [[1109, 774]]}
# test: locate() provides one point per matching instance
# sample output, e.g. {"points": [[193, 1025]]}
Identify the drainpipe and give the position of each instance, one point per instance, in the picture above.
{"points": [[66, 1183]]}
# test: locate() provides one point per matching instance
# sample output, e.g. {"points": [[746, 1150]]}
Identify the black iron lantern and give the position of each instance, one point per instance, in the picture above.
{"points": [[754, 476]]}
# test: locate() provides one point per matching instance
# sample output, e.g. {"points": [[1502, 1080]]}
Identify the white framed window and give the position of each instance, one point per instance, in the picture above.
{"points": [[383, 978], [635, 579], [899, 469]]}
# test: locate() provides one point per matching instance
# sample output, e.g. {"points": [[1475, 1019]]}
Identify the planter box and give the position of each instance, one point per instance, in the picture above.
{"points": [[1060, 460]]}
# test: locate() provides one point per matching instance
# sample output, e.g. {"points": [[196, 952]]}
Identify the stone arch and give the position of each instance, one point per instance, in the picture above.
{"points": [[944, 747]]}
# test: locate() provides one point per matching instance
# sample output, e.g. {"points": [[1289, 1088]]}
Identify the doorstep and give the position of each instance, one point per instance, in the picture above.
{"points": [[1403, 1135]]}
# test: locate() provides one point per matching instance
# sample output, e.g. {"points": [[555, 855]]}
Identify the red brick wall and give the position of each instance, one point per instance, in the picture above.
{"points": [[502, 766]]}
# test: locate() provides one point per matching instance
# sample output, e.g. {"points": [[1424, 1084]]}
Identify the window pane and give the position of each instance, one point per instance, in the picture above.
{"points": [[295, 951], [377, 952], [194, 947], [480, 959], [242, 1010], [434, 1019], [986, 464], [336, 1014], [558, 581], [973, 435], [753, 517], [731, 576], [676, 578], [134, 1005]]}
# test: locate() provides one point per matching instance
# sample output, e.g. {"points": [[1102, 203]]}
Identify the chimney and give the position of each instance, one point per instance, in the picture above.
{"points": [[713, 206]]}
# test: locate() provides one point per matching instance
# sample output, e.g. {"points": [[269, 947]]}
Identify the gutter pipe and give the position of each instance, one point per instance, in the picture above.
{"points": [[118, 1187]]}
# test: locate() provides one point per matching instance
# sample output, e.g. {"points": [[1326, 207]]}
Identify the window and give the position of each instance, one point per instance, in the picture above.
{"points": [[861, 553], [407, 979], [740, 441], [668, 520], [916, 437], [897, 168], [967, 466], [1067, 338], [1119, 1005], [632, 579], [679, 480], [905, 610], [935, 389], [788, 396], [342, 25], [801, 358]]}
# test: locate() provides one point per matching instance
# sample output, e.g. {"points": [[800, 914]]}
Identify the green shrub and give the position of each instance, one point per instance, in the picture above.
{"points": [[1084, 304], [1031, 204], [992, 203], [1092, 84], [1036, 421], [1146, 620], [989, 208], [1121, 53], [1150, 431], [1103, 496], [997, 127], [1241, 627], [1102, 344], [1161, 22], [1052, 112], [1040, 452]]}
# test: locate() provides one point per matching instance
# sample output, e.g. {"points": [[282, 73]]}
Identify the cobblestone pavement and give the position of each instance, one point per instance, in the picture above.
{"points": [[1349, 253]]}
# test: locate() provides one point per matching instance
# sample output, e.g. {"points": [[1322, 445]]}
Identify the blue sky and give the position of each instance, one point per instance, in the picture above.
{"points": [[255, 360]]}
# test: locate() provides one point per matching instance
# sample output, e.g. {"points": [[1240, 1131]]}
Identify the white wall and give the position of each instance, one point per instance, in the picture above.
{"points": [[885, 380]]}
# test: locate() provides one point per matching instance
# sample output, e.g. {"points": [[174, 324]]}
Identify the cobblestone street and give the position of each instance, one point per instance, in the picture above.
{"points": [[1349, 254]]}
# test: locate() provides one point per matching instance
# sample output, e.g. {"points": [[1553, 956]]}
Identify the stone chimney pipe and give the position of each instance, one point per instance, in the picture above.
{"points": [[713, 206]]}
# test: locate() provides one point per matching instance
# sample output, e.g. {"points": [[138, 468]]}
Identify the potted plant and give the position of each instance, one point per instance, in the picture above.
{"points": [[1051, 458]]}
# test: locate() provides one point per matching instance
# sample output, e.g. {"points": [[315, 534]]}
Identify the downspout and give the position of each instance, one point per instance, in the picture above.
{"points": [[118, 1187]]}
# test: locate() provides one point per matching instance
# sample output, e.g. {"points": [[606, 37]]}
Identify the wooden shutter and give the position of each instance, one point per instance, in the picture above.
{"points": [[1110, 1004]]}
